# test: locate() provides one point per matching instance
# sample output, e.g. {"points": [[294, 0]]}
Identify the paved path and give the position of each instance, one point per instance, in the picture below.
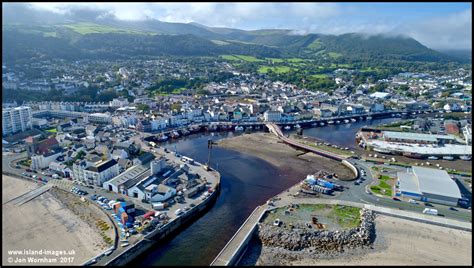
{"points": [[228, 253]]}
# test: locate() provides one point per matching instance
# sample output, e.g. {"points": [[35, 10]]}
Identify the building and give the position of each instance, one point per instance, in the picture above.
{"points": [[159, 193], [99, 118], [428, 185], [393, 136], [43, 160], [95, 173], [467, 132], [16, 119], [272, 116], [126, 180]]}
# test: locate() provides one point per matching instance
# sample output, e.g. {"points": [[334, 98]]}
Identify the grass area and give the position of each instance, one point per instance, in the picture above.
{"points": [[334, 55], [241, 58], [52, 130], [219, 42], [90, 28], [319, 76], [276, 69], [384, 187], [275, 60], [316, 44], [230, 57], [347, 217]]}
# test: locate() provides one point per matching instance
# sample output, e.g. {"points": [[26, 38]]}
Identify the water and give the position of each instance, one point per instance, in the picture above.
{"points": [[246, 182], [342, 134]]}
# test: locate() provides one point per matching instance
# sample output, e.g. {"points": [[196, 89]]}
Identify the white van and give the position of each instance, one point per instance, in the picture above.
{"points": [[430, 211]]}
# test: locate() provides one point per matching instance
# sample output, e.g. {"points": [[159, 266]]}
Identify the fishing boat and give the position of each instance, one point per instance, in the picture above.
{"points": [[163, 137], [433, 158], [448, 157], [287, 128], [239, 128], [370, 117], [297, 126], [465, 157], [321, 124], [174, 134], [314, 124], [346, 121], [338, 122], [185, 132], [353, 120], [330, 122]]}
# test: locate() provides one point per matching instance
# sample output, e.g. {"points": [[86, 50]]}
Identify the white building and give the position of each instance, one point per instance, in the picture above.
{"points": [[100, 118], [16, 119], [159, 192], [272, 116], [43, 160], [119, 102], [95, 173]]}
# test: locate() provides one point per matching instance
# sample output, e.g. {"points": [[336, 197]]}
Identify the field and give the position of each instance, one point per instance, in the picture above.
{"points": [[334, 55], [276, 69], [90, 28], [241, 58], [332, 217]]}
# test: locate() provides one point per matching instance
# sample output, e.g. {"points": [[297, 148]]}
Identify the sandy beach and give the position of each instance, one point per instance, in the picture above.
{"points": [[398, 242], [44, 223], [269, 148]]}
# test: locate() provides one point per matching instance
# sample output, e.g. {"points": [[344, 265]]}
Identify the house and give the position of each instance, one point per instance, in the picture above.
{"points": [[60, 168], [144, 159], [159, 192], [43, 160]]}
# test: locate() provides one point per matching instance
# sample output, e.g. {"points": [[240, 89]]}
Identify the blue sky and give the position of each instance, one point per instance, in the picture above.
{"points": [[436, 25]]}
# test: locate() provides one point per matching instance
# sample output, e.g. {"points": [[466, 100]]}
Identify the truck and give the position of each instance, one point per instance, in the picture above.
{"points": [[430, 211], [158, 206]]}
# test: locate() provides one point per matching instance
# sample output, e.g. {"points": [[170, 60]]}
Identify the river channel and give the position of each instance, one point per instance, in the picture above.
{"points": [[246, 182]]}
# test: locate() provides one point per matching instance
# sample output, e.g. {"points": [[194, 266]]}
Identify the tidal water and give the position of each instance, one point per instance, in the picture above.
{"points": [[246, 182]]}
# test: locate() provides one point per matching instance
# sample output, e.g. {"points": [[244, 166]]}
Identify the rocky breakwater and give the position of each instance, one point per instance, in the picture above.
{"points": [[320, 240]]}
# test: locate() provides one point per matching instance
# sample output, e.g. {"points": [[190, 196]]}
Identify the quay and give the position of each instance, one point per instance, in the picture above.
{"points": [[235, 249]]}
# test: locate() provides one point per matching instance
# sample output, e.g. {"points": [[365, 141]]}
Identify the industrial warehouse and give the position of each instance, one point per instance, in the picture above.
{"points": [[429, 185]]}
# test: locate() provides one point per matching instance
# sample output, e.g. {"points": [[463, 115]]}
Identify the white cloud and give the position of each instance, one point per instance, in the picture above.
{"points": [[453, 31], [449, 31]]}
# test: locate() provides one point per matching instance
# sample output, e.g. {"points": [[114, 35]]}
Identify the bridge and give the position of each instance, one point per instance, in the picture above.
{"points": [[277, 131]]}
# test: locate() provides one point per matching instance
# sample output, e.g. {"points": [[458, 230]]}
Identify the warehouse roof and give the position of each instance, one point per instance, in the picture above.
{"points": [[435, 181], [408, 183], [415, 136]]}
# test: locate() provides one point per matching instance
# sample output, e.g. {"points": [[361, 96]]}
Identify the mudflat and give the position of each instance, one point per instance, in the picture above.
{"points": [[44, 223], [269, 148]]}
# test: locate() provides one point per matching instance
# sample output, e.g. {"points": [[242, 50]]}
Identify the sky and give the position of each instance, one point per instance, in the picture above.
{"points": [[436, 25]]}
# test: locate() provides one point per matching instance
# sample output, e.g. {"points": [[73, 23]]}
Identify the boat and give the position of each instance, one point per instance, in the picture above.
{"points": [[194, 128], [287, 128], [163, 138], [297, 126], [393, 115], [257, 127], [330, 122], [433, 158], [370, 117], [338, 122], [249, 128], [412, 155], [185, 132], [381, 150], [353, 120], [447, 157], [465, 157], [321, 124], [346, 121], [239, 128], [174, 134], [212, 127]]}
